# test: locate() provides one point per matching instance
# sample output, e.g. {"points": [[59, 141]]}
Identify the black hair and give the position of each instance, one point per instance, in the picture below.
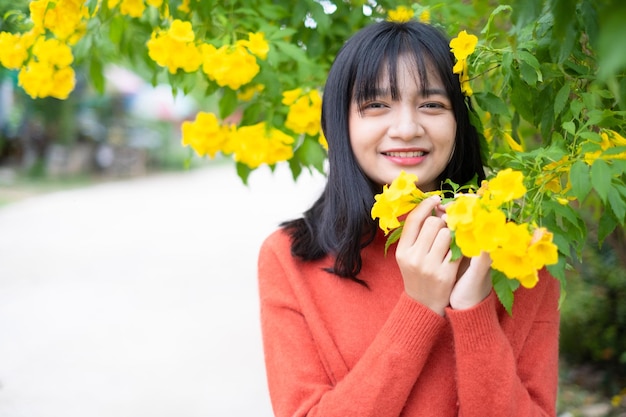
{"points": [[339, 222]]}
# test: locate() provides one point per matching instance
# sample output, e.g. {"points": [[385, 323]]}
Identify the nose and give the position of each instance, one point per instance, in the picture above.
{"points": [[405, 124]]}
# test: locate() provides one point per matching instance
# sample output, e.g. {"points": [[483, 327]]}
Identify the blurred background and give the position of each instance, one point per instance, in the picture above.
{"points": [[128, 266]]}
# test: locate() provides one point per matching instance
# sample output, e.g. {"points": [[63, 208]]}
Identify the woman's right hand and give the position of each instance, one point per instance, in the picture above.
{"points": [[423, 255]]}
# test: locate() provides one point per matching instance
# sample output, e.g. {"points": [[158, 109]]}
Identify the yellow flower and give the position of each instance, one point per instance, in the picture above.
{"points": [[257, 144], [132, 8], [53, 52], [508, 185], [542, 251], [257, 44], [305, 113], [465, 85], [476, 228], [36, 79], [425, 16], [155, 3], [13, 51], [400, 14], [181, 31], [205, 135], [530, 280], [511, 142], [396, 200], [63, 82], [463, 45], [461, 211], [511, 256], [172, 52], [229, 66], [290, 96], [590, 157], [248, 93], [322, 140], [184, 7]]}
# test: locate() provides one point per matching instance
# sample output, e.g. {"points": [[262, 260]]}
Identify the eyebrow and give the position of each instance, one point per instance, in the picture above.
{"points": [[382, 92]]}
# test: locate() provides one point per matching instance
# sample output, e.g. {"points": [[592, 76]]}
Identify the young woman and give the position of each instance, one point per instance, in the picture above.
{"points": [[350, 331]]}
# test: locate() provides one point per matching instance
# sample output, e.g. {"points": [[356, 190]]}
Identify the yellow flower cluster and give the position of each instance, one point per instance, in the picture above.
{"points": [[175, 48], [462, 47], [230, 65], [43, 55], [479, 224], [251, 145], [396, 200], [133, 8], [305, 111]]}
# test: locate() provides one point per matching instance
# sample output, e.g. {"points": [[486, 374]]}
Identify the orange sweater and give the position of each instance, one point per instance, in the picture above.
{"points": [[334, 348]]}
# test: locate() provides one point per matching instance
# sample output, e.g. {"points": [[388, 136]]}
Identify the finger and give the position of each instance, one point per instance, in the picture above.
{"points": [[441, 244], [415, 220], [480, 264]]}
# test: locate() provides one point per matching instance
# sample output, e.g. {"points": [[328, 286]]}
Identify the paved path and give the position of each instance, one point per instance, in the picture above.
{"points": [[139, 298]]}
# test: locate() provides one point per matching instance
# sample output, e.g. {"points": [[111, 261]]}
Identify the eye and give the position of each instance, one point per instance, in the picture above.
{"points": [[372, 108], [372, 105], [433, 105]]}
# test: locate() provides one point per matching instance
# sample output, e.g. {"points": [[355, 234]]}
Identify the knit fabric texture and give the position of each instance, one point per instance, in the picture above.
{"points": [[335, 348]]}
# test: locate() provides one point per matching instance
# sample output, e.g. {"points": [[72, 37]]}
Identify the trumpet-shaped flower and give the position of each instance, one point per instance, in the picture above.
{"points": [[205, 135], [257, 45], [13, 50], [231, 66], [258, 144], [463, 45], [507, 186], [400, 14], [305, 113]]}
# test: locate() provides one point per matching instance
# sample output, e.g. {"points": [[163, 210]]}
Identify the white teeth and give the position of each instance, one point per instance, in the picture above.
{"points": [[413, 154]]}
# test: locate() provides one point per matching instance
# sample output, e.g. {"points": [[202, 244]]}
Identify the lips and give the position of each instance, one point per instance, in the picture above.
{"points": [[405, 157], [404, 154]]}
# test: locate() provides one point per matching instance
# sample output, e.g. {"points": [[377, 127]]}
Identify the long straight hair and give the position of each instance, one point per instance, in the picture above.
{"points": [[339, 222]]}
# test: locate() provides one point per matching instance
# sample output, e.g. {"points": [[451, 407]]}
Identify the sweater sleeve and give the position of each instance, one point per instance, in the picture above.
{"points": [[494, 380], [299, 377]]}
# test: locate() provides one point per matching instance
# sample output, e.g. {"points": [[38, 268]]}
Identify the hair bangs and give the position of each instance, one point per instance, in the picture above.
{"points": [[377, 69]]}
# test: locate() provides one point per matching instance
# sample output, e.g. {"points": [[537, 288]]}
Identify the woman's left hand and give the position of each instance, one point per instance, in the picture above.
{"points": [[473, 284]]}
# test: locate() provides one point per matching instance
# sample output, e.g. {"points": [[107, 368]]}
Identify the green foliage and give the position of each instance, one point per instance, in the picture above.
{"points": [[593, 320], [547, 76]]}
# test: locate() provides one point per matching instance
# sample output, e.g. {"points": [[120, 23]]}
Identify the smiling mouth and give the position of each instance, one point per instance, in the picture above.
{"points": [[412, 154]]}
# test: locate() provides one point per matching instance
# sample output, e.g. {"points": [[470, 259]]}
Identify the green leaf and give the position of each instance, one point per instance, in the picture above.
{"points": [[393, 238], [116, 29], [580, 179], [243, 171], [491, 103], [500, 9], [311, 153], [617, 204], [601, 178], [228, 102], [96, 74], [504, 289], [570, 127], [561, 99], [528, 73], [606, 226]]}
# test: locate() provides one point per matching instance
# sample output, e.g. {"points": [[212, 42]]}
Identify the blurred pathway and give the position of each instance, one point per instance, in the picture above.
{"points": [[139, 298]]}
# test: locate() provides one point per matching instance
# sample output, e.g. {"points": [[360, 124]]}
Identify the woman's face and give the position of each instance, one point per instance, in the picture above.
{"points": [[414, 133]]}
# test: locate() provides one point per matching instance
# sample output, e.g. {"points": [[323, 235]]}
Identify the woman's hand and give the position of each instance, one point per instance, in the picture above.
{"points": [[424, 257], [473, 284]]}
